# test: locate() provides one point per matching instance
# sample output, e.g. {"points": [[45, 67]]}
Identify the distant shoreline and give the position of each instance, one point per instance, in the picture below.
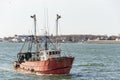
{"points": [[103, 42]]}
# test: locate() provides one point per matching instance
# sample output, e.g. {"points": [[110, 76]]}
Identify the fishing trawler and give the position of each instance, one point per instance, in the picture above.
{"points": [[43, 56]]}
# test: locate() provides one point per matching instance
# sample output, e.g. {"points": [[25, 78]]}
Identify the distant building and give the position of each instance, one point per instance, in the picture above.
{"points": [[62, 38], [1, 40]]}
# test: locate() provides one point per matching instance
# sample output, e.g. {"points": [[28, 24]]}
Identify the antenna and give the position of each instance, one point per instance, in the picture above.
{"points": [[46, 20]]}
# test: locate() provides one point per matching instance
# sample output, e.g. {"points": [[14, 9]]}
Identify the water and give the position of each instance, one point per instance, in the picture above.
{"points": [[92, 62]]}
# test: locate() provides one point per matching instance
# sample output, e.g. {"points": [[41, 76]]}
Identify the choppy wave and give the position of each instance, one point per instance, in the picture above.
{"points": [[93, 64]]}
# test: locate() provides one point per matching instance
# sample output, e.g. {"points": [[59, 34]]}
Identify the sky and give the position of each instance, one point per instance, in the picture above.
{"points": [[96, 17]]}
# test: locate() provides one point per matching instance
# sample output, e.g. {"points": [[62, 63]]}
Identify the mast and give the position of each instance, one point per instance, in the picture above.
{"points": [[58, 17], [35, 36], [34, 17]]}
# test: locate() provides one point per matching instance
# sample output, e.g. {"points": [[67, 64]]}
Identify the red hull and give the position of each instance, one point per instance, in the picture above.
{"points": [[60, 65]]}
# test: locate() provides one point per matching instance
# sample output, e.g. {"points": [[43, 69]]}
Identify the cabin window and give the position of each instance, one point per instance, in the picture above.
{"points": [[53, 52], [37, 55], [58, 52], [50, 53]]}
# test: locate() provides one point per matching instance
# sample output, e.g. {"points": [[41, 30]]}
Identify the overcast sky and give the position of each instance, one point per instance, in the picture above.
{"points": [[101, 17]]}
